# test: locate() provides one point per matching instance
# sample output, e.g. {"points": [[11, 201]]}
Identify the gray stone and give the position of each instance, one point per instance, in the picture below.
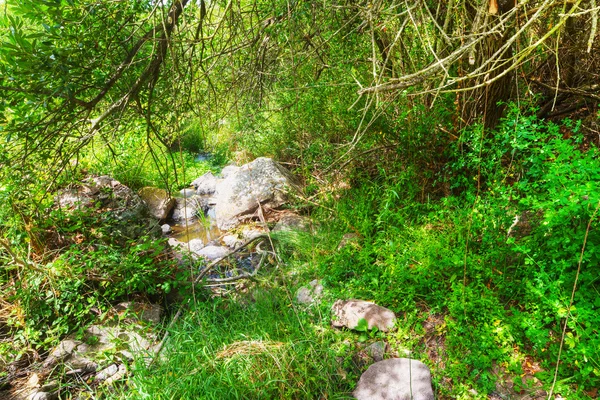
{"points": [[61, 352], [397, 379], [252, 232], [158, 201], [206, 184], [232, 241], [174, 243], [187, 192], [130, 214], [348, 313], [43, 396], [376, 350], [166, 229], [195, 245], [107, 372], [308, 295], [187, 209], [120, 374], [229, 170], [238, 195], [213, 252]]}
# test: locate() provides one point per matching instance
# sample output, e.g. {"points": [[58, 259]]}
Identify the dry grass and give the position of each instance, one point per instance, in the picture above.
{"points": [[247, 347]]}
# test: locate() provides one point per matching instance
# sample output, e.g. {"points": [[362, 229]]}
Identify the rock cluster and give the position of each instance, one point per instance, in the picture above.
{"points": [[85, 360]]}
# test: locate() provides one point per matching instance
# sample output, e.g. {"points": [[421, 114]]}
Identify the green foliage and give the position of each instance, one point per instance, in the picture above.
{"points": [[101, 264], [258, 346], [502, 285]]}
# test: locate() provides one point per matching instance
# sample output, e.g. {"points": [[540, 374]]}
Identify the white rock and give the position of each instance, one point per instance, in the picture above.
{"points": [[213, 252], [396, 378], [107, 372], [228, 170], [187, 192], [42, 396], [120, 374], [206, 184], [158, 201], [348, 313], [250, 232], [308, 295], [166, 229], [238, 195], [174, 243], [232, 241]]}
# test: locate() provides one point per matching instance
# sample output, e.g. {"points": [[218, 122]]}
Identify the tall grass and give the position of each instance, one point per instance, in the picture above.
{"points": [[258, 346]]}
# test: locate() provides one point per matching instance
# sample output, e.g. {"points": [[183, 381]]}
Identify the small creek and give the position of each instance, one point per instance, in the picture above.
{"points": [[205, 229]]}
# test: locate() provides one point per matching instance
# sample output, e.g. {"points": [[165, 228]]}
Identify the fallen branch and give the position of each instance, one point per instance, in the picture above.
{"points": [[158, 348]]}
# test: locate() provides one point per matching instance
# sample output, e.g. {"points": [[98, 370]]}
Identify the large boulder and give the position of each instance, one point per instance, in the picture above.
{"points": [[158, 200], [348, 313], [125, 212], [395, 379], [206, 184], [239, 193], [103, 192]]}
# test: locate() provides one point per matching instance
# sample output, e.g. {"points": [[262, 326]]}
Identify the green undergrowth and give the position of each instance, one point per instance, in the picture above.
{"points": [[480, 279], [255, 346], [136, 163], [497, 260]]}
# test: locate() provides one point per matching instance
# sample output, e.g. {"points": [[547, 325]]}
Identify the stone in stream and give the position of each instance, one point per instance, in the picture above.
{"points": [[348, 313], [232, 241], [187, 209], [195, 245], [213, 252], [158, 201], [396, 378], [206, 184], [187, 192], [238, 195], [166, 229]]}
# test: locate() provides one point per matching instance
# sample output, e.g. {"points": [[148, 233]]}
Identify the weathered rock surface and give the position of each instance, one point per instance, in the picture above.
{"points": [[229, 170], [232, 241], [206, 184], [252, 232], [130, 216], [158, 200], [308, 295], [213, 252], [166, 229], [107, 372], [187, 192], [195, 245], [187, 209], [43, 396], [395, 379], [349, 312], [238, 195], [105, 192]]}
